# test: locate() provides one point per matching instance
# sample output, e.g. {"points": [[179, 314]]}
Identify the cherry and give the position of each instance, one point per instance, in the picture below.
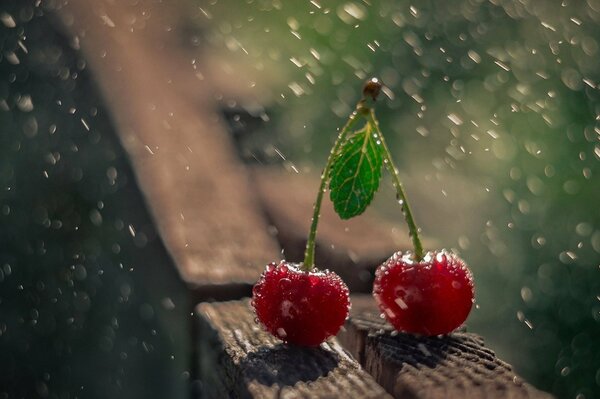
{"points": [[422, 293], [295, 301], [300, 307], [431, 296]]}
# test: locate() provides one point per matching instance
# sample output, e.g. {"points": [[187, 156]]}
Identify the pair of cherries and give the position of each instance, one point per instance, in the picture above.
{"points": [[421, 293], [432, 296]]}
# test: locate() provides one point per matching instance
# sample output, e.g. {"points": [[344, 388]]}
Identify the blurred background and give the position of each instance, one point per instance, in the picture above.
{"points": [[491, 110]]}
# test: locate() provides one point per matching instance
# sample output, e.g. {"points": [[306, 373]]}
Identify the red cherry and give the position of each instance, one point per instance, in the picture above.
{"points": [[298, 307], [431, 297]]}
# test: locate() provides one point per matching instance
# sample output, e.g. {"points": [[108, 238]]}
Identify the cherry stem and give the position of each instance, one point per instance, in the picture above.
{"points": [[400, 195], [309, 253]]}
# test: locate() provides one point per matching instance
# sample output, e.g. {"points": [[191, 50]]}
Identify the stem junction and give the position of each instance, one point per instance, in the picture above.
{"points": [[371, 90]]}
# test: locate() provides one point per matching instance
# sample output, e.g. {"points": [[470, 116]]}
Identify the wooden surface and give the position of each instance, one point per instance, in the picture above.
{"points": [[196, 188], [237, 359], [407, 366], [352, 248]]}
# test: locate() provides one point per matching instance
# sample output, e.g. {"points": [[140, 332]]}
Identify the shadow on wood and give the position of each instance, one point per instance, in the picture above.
{"points": [[238, 359], [283, 364]]}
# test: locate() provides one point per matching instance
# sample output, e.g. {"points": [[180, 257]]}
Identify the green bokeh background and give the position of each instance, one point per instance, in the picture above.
{"points": [[492, 115]]}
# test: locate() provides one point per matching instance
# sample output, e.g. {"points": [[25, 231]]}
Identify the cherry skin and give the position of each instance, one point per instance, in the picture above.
{"points": [[298, 307], [430, 297]]}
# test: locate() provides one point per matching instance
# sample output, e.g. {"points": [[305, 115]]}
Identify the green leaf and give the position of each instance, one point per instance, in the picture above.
{"points": [[355, 173]]}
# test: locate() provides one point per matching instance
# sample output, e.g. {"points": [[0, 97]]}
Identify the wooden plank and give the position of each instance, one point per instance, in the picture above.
{"points": [[195, 186], [240, 360], [408, 366], [352, 248]]}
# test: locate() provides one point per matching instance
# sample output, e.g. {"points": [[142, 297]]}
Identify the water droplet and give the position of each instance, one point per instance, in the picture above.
{"points": [[526, 294], [567, 257], [584, 229], [286, 308], [455, 119], [281, 332], [285, 283], [401, 303]]}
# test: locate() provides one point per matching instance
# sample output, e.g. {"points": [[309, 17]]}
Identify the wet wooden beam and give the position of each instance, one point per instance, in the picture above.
{"points": [[238, 359], [407, 366], [196, 188]]}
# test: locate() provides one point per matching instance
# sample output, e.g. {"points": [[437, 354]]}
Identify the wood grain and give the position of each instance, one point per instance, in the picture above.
{"points": [[237, 359], [407, 366]]}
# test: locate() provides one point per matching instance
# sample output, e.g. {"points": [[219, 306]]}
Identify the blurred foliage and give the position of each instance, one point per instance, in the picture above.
{"points": [[493, 115], [79, 314]]}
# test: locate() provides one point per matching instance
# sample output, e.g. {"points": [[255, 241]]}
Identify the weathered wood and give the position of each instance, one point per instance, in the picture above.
{"points": [[196, 188], [352, 248], [408, 366], [240, 360]]}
